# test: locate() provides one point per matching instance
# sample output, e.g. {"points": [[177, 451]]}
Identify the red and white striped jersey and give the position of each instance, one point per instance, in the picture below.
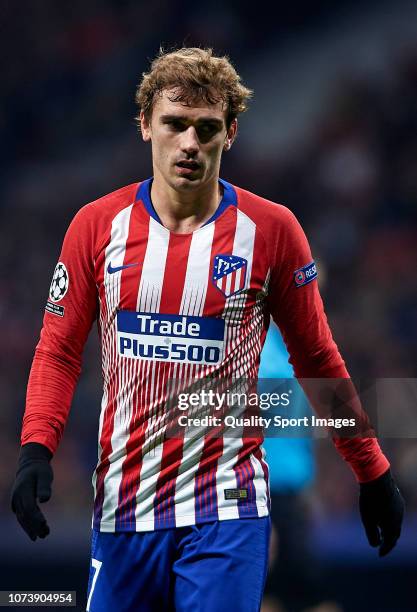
{"points": [[183, 307]]}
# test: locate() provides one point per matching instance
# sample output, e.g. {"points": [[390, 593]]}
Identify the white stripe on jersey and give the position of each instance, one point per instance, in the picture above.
{"points": [[115, 253], [195, 284], [237, 279], [192, 303], [228, 283], [149, 300], [153, 270], [260, 484]]}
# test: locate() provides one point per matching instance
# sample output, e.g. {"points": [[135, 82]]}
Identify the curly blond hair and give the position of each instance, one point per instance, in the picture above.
{"points": [[194, 74]]}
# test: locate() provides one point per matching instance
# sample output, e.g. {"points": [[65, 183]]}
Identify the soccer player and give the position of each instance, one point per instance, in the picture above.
{"points": [[182, 272]]}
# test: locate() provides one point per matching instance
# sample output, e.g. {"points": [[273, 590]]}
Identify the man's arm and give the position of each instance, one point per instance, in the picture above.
{"points": [[70, 312], [297, 308]]}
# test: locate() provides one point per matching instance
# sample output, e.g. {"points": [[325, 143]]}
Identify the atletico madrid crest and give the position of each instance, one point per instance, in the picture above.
{"points": [[229, 274]]}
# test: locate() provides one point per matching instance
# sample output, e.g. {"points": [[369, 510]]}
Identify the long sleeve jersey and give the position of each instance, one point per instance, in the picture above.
{"points": [[178, 307]]}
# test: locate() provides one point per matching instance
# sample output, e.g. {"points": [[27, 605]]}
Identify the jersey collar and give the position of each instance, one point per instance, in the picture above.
{"points": [[229, 198]]}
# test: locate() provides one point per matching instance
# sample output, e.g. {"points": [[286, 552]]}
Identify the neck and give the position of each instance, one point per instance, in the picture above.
{"points": [[184, 212]]}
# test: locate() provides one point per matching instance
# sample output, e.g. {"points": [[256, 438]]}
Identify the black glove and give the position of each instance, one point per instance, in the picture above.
{"points": [[33, 482], [381, 507]]}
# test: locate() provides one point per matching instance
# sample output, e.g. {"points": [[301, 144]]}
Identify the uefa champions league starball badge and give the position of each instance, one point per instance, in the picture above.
{"points": [[59, 284]]}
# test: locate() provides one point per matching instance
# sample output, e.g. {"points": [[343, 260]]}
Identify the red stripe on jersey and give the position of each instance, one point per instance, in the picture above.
{"points": [[223, 239], [104, 463], [205, 481], [172, 452], [134, 254], [165, 488], [206, 501], [259, 265], [244, 480], [233, 286], [132, 464], [175, 271]]}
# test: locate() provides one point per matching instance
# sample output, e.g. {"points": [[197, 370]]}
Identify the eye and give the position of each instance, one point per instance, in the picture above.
{"points": [[176, 125], [207, 130]]}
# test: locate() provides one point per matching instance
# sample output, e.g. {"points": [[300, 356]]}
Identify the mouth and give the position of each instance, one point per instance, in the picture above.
{"points": [[187, 166]]}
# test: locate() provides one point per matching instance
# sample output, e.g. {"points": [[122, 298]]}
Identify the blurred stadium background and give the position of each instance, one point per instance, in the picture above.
{"points": [[331, 133]]}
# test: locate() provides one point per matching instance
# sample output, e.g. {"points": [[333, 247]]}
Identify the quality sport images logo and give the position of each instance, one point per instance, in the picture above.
{"points": [[175, 338]]}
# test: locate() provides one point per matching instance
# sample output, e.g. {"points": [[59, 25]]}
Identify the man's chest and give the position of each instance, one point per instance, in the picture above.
{"points": [[178, 297]]}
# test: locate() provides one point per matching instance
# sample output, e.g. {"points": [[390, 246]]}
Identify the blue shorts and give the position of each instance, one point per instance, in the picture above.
{"points": [[213, 567]]}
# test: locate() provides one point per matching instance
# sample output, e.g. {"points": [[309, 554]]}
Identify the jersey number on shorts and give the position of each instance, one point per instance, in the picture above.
{"points": [[97, 566]]}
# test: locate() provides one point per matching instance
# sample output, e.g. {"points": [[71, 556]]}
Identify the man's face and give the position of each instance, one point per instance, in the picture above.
{"points": [[187, 141]]}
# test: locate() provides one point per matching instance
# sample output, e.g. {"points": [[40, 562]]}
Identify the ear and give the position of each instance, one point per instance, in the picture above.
{"points": [[231, 135], [145, 127]]}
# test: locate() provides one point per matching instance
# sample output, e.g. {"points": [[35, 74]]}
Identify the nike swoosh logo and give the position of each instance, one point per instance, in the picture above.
{"points": [[112, 270]]}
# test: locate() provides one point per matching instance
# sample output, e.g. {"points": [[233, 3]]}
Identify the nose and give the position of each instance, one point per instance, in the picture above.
{"points": [[189, 141]]}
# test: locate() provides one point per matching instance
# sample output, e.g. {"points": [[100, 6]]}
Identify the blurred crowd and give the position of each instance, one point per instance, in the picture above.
{"points": [[68, 136]]}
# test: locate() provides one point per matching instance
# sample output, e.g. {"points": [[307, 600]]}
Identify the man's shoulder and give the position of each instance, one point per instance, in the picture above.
{"points": [[96, 218], [262, 211], [112, 202]]}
